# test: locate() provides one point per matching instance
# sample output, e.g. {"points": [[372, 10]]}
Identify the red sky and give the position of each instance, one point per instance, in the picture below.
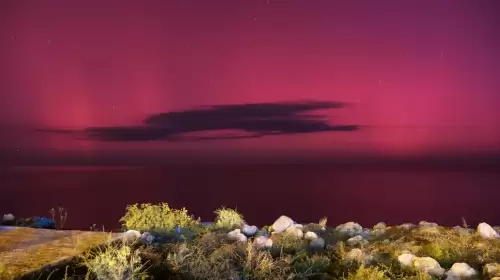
{"points": [[424, 74]]}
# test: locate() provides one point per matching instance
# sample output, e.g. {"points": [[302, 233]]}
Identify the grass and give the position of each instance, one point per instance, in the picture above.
{"points": [[228, 218], [205, 252], [38, 248]]}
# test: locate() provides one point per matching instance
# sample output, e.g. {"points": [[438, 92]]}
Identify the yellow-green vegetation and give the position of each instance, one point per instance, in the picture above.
{"points": [[114, 263], [156, 218], [228, 218], [209, 252], [370, 273]]}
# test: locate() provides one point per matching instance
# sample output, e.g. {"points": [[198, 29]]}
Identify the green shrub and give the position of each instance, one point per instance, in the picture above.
{"points": [[156, 218], [115, 263], [311, 264], [228, 218], [367, 273]]}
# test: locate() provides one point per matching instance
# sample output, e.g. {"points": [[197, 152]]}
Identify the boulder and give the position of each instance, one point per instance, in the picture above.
{"points": [[357, 240], [358, 256], [249, 230], [296, 232], [406, 259], [281, 224], [131, 235], [350, 228], [380, 225], [460, 270], [429, 266], [8, 218], [310, 235], [236, 235], [406, 226], [486, 231], [263, 242], [317, 243], [425, 224]]}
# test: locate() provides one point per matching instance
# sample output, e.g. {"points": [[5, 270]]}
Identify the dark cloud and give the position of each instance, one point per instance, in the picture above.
{"points": [[248, 120]]}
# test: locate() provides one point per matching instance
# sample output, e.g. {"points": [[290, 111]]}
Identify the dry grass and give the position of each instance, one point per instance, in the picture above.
{"points": [[31, 254]]}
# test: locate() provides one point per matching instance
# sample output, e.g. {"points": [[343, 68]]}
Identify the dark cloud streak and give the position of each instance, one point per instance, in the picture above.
{"points": [[257, 120]]}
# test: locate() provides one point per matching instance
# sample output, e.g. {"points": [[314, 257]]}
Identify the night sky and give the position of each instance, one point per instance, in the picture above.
{"points": [[419, 77]]}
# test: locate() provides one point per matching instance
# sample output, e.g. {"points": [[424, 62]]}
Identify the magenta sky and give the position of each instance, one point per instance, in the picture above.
{"points": [[423, 73]]}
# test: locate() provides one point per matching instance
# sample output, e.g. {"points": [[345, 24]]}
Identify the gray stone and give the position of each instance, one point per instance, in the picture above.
{"points": [[249, 230]]}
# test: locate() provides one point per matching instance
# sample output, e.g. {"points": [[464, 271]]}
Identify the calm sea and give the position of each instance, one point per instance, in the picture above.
{"points": [[369, 194]]}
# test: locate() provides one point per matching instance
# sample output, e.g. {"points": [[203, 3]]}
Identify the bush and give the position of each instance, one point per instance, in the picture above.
{"points": [[115, 263], [368, 273], [156, 218], [228, 218]]}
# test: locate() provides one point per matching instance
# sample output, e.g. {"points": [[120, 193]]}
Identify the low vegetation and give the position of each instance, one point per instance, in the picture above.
{"points": [[165, 243]]}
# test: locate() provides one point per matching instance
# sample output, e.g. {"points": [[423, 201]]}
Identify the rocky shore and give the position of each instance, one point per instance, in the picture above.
{"points": [[161, 243]]}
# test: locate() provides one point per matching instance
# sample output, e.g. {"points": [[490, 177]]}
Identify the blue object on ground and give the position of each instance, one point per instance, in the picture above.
{"points": [[42, 222], [177, 229]]}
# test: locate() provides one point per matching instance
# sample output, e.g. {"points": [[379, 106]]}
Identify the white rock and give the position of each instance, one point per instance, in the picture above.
{"points": [[350, 228], [450, 275], [241, 238], [407, 226], [263, 242], [491, 269], [310, 235], [378, 232], [298, 226], [461, 270], [8, 218], [425, 224], [131, 235], [234, 234], [428, 265], [317, 243], [296, 232], [406, 259], [281, 224], [249, 230], [380, 225], [359, 256], [358, 239], [487, 231]]}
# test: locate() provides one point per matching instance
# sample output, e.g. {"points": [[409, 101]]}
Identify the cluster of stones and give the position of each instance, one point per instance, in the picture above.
{"points": [[283, 224]]}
